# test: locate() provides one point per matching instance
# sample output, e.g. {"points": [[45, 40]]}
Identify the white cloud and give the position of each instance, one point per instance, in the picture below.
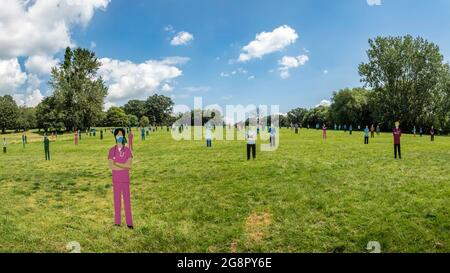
{"points": [[33, 82], [224, 75], [268, 42], [42, 27], [182, 38], [167, 88], [251, 78], [93, 44], [285, 74], [33, 94], [127, 80], [288, 62], [325, 72], [37, 30], [11, 76], [40, 65], [293, 62], [374, 2], [324, 103], [31, 99], [108, 105]]}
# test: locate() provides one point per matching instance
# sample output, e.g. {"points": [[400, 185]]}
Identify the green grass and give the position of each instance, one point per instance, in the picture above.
{"points": [[308, 196]]}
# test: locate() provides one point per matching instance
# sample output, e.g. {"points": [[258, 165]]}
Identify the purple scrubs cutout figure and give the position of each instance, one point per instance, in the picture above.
{"points": [[432, 133], [397, 136], [120, 162]]}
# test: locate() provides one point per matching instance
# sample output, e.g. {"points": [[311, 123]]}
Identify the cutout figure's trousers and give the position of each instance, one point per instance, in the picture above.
{"points": [[397, 149], [122, 189], [251, 148]]}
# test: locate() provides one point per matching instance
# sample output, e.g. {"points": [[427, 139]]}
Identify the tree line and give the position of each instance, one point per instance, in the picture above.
{"points": [[78, 99], [405, 79]]}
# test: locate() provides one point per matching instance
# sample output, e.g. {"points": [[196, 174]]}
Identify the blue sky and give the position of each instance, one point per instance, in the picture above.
{"points": [[332, 34]]}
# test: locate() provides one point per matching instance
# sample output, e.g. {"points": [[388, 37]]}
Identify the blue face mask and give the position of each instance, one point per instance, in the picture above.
{"points": [[119, 139]]}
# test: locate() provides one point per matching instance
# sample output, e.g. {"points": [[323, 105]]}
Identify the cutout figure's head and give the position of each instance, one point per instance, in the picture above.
{"points": [[119, 135]]}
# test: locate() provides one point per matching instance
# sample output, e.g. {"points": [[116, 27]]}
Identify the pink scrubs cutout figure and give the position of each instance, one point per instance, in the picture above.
{"points": [[120, 162], [130, 140]]}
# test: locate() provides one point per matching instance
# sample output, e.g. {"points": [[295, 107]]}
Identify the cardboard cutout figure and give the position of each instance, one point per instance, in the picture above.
{"points": [[397, 132], [120, 163], [46, 148]]}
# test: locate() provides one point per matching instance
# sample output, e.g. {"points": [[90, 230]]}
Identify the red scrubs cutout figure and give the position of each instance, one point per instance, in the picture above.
{"points": [[130, 140], [120, 162], [324, 131], [397, 135]]}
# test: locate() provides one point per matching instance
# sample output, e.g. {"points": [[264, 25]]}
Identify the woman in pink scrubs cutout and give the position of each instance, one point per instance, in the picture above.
{"points": [[120, 162]]}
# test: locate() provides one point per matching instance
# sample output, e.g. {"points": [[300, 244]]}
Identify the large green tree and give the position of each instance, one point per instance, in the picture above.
{"points": [[78, 91], [48, 116], [318, 115], [116, 117], [27, 118], [351, 107], [439, 110], [144, 122], [404, 73], [158, 109], [135, 107], [9, 113], [296, 116], [133, 121]]}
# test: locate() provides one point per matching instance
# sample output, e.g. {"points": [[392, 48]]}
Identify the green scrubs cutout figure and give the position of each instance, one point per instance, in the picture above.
{"points": [[23, 141], [47, 147]]}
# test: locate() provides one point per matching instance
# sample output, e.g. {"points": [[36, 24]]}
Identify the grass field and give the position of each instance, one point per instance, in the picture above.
{"points": [[308, 196]]}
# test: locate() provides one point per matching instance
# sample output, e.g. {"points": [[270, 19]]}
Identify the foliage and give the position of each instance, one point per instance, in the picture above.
{"points": [[406, 76], [9, 113]]}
